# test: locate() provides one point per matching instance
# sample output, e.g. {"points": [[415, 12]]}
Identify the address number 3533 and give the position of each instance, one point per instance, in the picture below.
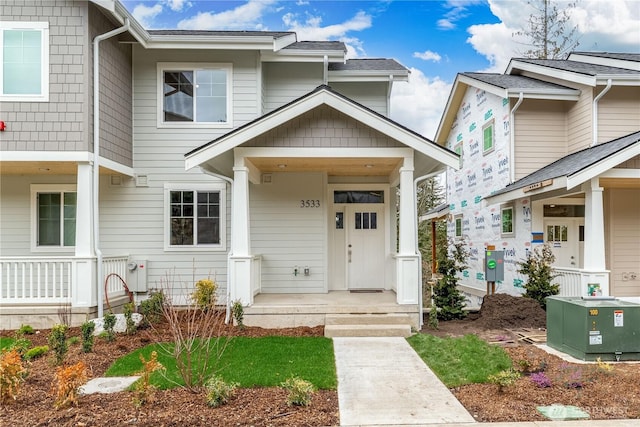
{"points": [[310, 203]]}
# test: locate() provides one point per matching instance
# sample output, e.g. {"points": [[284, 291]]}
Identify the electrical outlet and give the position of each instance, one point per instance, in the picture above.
{"points": [[633, 276], [625, 277]]}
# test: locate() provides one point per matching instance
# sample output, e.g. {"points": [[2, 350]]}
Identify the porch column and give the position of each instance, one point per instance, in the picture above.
{"points": [[407, 260], [594, 246], [83, 287], [240, 258]]}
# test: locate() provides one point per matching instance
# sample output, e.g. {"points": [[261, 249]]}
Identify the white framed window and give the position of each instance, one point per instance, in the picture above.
{"points": [[508, 221], [196, 95], [488, 137], [459, 150], [458, 226], [24, 59], [195, 216], [53, 217]]}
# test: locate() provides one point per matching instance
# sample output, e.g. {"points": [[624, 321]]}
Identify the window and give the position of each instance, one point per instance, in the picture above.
{"points": [[194, 95], [557, 233], [488, 137], [24, 55], [507, 217], [458, 226], [195, 216], [53, 217], [366, 220], [458, 149]]}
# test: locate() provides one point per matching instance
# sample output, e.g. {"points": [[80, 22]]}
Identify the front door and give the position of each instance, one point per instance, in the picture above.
{"points": [[365, 246], [564, 236]]}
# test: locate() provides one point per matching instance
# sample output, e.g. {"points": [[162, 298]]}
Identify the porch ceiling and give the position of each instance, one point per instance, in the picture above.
{"points": [[361, 166], [44, 168]]}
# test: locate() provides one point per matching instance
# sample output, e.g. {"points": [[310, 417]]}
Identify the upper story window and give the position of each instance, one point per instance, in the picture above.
{"points": [[194, 95], [24, 55], [458, 226], [53, 216], [488, 137], [507, 218]]}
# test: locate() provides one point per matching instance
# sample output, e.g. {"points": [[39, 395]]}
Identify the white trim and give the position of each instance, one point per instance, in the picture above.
{"points": [[603, 60], [39, 156], [35, 189], [193, 66], [551, 72], [220, 187], [116, 167], [603, 165], [322, 97], [621, 173], [323, 152], [43, 27]]}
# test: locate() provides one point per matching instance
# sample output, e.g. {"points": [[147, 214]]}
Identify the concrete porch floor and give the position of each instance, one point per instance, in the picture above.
{"points": [[292, 310]]}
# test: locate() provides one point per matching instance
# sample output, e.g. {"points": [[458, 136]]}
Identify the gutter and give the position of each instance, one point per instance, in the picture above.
{"points": [[415, 212], [594, 120], [95, 211], [512, 139], [227, 317]]}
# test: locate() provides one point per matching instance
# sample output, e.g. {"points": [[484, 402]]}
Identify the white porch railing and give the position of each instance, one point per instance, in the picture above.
{"points": [[256, 275], [50, 280], [575, 282]]}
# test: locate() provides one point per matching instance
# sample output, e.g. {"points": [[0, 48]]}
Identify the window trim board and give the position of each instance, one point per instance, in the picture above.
{"points": [[33, 201]]}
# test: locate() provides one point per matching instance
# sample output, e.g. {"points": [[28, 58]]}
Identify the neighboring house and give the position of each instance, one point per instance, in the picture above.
{"points": [[265, 163], [550, 152]]}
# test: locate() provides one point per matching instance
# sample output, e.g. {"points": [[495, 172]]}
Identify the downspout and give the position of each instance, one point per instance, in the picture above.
{"points": [[415, 213], [389, 95], [512, 139], [96, 156], [595, 112], [325, 71], [227, 317]]}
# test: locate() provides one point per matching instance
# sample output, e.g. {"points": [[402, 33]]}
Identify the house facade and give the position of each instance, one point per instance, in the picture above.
{"points": [[135, 160], [550, 154]]}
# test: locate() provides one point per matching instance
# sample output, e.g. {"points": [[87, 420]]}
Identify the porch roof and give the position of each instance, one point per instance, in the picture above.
{"points": [[429, 157], [573, 169]]}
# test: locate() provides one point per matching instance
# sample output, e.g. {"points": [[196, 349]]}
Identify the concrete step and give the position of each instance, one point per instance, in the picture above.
{"points": [[368, 319], [378, 330]]}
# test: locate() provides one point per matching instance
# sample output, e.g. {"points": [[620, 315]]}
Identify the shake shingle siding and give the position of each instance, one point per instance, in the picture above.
{"points": [[61, 123]]}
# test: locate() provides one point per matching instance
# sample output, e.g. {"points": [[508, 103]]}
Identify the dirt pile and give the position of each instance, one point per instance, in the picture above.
{"points": [[502, 311]]}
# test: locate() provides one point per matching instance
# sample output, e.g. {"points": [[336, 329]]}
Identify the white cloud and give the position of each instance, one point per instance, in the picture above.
{"points": [[605, 26], [244, 17], [446, 24], [177, 5], [428, 55], [145, 14], [419, 103]]}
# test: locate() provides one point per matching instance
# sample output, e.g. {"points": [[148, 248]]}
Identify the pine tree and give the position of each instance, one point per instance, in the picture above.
{"points": [[547, 33], [447, 297]]}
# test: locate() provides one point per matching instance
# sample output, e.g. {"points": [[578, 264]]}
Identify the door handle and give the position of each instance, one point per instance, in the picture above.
{"points": [[349, 252]]}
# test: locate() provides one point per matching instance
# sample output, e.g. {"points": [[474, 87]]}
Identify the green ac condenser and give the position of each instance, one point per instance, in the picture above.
{"points": [[592, 327]]}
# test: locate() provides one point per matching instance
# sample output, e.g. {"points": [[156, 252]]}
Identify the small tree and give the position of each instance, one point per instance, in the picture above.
{"points": [[539, 270], [447, 297]]}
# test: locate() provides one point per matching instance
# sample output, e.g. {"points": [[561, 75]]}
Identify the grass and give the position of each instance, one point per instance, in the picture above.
{"points": [[263, 362], [459, 361], [6, 342]]}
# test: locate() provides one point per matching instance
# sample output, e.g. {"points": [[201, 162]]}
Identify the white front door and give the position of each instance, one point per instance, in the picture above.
{"points": [[365, 246], [564, 236]]}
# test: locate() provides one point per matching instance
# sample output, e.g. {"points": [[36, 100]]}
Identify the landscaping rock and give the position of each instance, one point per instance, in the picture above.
{"points": [[121, 323]]}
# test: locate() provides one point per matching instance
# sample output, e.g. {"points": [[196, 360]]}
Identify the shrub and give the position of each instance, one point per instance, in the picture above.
{"points": [[205, 294], [67, 382], [540, 379], [539, 271], [21, 345], [87, 329], [604, 367], [12, 375], [237, 310], [433, 317], [219, 391], [143, 389], [25, 330], [446, 295], [129, 308], [504, 379], [300, 391], [151, 308], [109, 323], [570, 376], [36, 352], [73, 340], [58, 342]]}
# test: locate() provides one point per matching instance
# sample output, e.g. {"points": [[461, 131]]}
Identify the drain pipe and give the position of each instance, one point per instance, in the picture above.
{"points": [[96, 157], [512, 139], [415, 212], [595, 112], [227, 317]]}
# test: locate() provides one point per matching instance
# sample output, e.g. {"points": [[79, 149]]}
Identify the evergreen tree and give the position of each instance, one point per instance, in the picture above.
{"points": [[547, 33], [446, 295]]}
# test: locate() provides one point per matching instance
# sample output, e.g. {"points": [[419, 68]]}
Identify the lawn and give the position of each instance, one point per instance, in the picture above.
{"points": [[459, 361], [265, 362]]}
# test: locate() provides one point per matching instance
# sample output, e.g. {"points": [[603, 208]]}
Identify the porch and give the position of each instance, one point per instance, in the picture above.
{"points": [[41, 291], [360, 312]]}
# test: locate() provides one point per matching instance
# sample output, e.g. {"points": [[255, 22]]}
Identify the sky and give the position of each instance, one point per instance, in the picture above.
{"points": [[435, 40]]}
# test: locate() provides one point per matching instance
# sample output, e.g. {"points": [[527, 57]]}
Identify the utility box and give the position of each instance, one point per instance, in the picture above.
{"points": [[137, 275], [594, 327], [494, 266]]}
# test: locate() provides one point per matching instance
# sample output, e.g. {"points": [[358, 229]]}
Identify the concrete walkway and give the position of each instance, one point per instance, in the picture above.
{"points": [[382, 381]]}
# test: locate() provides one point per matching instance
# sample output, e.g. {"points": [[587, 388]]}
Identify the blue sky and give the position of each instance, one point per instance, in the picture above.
{"points": [[434, 39]]}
